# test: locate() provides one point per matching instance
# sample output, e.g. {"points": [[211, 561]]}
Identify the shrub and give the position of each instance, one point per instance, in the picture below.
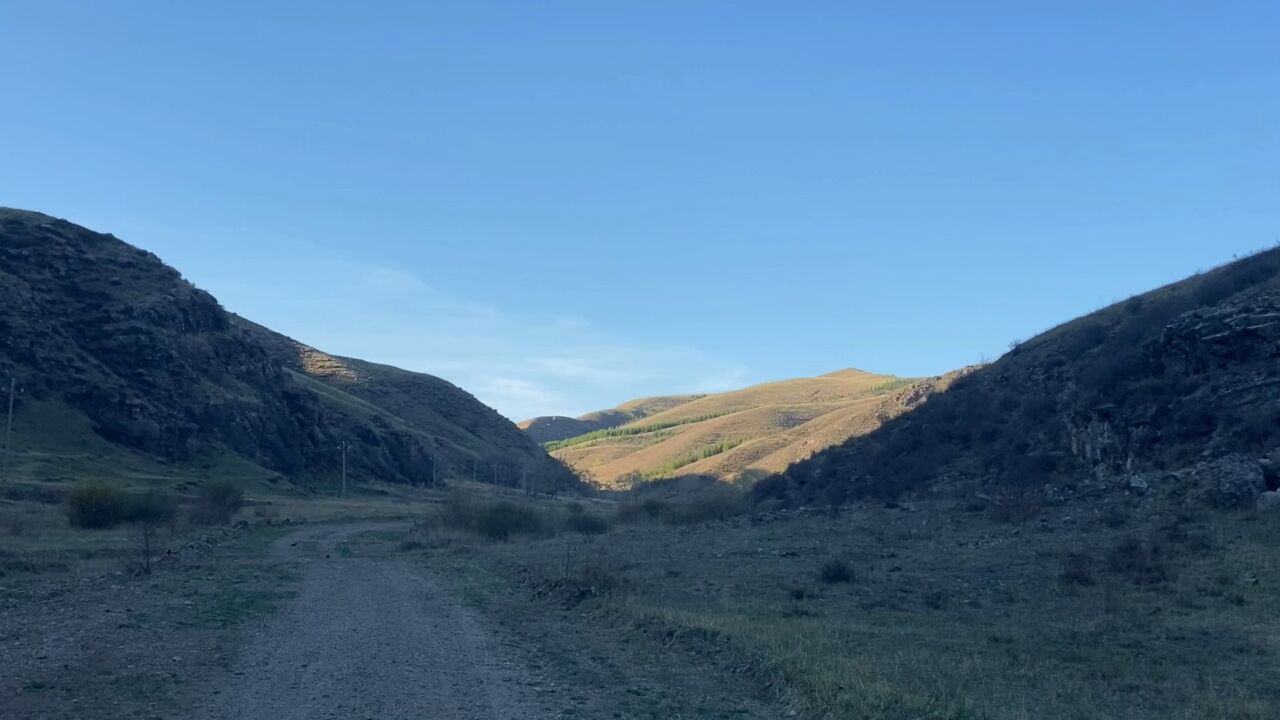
{"points": [[649, 509], [492, 520], [586, 523], [836, 571], [151, 509], [96, 505], [216, 502], [1077, 569], [936, 599], [720, 504], [1142, 562], [503, 519]]}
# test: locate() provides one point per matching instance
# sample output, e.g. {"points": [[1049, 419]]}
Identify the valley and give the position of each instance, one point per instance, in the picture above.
{"points": [[204, 518]]}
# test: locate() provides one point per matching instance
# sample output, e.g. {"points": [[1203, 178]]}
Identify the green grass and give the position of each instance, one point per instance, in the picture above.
{"points": [[891, 385], [693, 457]]}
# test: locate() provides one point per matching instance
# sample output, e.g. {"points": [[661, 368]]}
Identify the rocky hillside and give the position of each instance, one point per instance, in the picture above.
{"points": [[553, 428], [756, 430], [105, 331], [1176, 390]]}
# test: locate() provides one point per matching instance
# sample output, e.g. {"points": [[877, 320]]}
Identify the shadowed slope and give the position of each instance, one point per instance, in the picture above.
{"points": [[1129, 394], [157, 368]]}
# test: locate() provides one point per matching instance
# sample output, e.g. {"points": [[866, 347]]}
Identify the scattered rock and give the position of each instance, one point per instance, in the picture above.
{"points": [[1138, 485], [1269, 500]]}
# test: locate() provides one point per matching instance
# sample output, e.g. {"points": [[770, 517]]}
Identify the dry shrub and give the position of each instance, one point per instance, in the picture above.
{"points": [[96, 505], [719, 503], [1143, 562], [1077, 569], [493, 520], [586, 523], [836, 571], [216, 502]]}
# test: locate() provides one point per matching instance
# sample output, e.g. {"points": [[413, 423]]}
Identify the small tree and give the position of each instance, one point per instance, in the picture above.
{"points": [[149, 512]]}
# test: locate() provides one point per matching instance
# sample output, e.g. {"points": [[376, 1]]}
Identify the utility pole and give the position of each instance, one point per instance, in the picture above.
{"points": [[8, 430], [343, 447]]}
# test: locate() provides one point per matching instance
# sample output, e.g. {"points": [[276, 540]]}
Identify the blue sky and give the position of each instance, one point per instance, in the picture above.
{"points": [[564, 205]]}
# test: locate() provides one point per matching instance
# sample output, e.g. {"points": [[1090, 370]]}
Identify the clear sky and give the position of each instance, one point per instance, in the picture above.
{"points": [[564, 205]]}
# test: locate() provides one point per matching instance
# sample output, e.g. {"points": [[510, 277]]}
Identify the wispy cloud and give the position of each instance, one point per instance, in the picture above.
{"points": [[522, 363]]}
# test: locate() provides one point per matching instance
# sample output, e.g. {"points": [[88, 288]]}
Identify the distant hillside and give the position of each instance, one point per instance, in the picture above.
{"points": [[558, 427], [103, 336], [1177, 389], [759, 429]]}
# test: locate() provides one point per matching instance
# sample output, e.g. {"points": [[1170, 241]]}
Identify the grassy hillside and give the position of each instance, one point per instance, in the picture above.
{"points": [[124, 364], [759, 429], [555, 428], [1172, 390]]}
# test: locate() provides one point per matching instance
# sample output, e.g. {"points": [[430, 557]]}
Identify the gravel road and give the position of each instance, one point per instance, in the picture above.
{"points": [[370, 637]]}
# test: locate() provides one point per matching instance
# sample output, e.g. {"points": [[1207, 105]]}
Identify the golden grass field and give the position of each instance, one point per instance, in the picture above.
{"points": [[760, 429]]}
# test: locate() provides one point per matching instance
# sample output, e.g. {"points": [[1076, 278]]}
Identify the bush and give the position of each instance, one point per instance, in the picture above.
{"points": [[836, 571], [503, 519], [216, 502], [1077, 569], [493, 520], [586, 523], [152, 509], [650, 509], [96, 505], [709, 506], [1142, 562]]}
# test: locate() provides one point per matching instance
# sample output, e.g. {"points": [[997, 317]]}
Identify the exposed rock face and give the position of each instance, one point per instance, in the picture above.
{"points": [[1099, 441], [1220, 336], [158, 366]]}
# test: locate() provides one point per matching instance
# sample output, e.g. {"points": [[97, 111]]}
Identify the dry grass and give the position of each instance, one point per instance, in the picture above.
{"points": [[956, 618], [769, 425]]}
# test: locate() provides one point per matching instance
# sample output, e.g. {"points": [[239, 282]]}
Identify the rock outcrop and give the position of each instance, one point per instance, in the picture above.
{"points": [[158, 366]]}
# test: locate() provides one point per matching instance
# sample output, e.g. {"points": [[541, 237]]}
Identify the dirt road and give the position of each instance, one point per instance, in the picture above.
{"points": [[370, 637]]}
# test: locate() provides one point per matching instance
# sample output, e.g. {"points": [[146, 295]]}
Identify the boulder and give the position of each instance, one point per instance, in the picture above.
{"points": [[1229, 482], [1269, 500]]}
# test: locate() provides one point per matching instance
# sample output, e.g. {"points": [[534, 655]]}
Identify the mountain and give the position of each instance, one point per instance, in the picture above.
{"points": [[756, 430], [1176, 390], [105, 338], [554, 428]]}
